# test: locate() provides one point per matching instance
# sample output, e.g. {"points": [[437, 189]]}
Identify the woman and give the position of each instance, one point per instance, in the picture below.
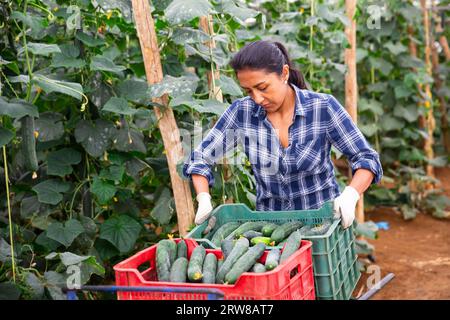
{"points": [[287, 132]]}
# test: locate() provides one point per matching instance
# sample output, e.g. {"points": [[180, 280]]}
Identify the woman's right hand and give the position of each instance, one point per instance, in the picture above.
{"points": [[204, 207]]}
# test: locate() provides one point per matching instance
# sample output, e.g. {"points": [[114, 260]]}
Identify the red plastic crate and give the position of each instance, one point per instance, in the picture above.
{"points": [[292, 280]]}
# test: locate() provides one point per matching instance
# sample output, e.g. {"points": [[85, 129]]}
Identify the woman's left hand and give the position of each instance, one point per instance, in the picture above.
{"points": [[345, 205]]}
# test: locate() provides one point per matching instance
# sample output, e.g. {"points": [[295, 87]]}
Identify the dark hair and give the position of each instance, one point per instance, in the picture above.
{"points": [[270, 56]]}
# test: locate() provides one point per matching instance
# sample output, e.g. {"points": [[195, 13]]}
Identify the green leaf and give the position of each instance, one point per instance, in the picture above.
{"points": [[380, 64], [134, 90], [89, 40], [30, 206], [5, 136], [213, 106], [35, 22], [113, 173], [392, 142], [130, 139], [408, 212], [119, 106], [395, 49], [180, 11], [49, 191], [50, 126], [54, 282], [367, 229], [239, 14], [184, 35], [372, 105], [104, 64], [229, 86], [72, 89], [95, 138], [68, 57], [363, 247], [65, 233], [163, 211], [36, 285], [410, 113], [59, 163], [122, 231], [369, 129], [103, 190], [402, 91], [5, 251], [361, 54], [377, 87], [124, 7], [9, 291], [175, 87], [438, 162], [42, 49], [388, 122], [46, 242], [411, 155], [17, 108], [105, 249]]}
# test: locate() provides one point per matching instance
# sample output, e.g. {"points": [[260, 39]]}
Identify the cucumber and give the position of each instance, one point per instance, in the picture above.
{"points": [[268, 229], [245, 263], [210, 225], [219, 264], [292, 245], [258, 268], [251, 234], [181, 249], [316, 229], [162, 263], [240, 248], [195, 266], [272, 259], [249, 225], [29, 143], [171, 247], [178, 270], [266, 240], [283, 231], [227, 246], [209, 268], [223, 232]]}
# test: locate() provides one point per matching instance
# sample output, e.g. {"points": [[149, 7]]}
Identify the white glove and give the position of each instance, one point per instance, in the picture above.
{"points": [[204, 207], [345, 205]]}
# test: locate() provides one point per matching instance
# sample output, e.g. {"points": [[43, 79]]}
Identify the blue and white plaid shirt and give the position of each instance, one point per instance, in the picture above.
{"points": [[300, 176]]}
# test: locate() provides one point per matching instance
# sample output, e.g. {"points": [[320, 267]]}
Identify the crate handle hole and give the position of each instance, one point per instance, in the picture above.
{"points": [[294, 272]]}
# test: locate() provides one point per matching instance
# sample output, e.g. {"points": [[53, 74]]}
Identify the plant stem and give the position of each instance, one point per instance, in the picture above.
{"points": [[377, 138], [11, 238]]}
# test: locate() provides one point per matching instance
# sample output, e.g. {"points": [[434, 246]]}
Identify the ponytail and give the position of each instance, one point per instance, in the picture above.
{"points": [[270, 56], [295, 76]]}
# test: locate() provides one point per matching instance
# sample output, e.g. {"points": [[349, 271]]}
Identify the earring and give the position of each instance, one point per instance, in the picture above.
{"points": [[285, 81]]}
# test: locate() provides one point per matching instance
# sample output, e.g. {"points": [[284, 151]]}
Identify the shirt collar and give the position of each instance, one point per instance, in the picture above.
{"points": [[300, 99]]}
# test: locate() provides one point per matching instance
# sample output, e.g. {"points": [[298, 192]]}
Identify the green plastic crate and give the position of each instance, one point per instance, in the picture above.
{"points": [[336, 270]]}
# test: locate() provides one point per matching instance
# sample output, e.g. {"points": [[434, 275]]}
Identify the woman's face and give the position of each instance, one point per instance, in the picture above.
{"points": [[268, 89]]}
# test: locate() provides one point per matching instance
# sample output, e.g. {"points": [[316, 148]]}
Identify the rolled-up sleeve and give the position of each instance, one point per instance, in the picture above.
{"points": [[219, 140], [348, 139]]}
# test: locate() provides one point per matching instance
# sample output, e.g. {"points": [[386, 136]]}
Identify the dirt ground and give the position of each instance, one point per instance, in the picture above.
{"points": [[417, 252]]}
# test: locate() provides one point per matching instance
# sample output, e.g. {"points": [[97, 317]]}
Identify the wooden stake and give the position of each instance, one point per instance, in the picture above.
{"points": [[438, 83], [428, 102], [169, 130], [351, 85]]}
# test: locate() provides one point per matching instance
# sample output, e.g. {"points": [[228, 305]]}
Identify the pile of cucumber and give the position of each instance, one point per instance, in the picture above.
{"points": [[269, 233], [242, 247]]}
